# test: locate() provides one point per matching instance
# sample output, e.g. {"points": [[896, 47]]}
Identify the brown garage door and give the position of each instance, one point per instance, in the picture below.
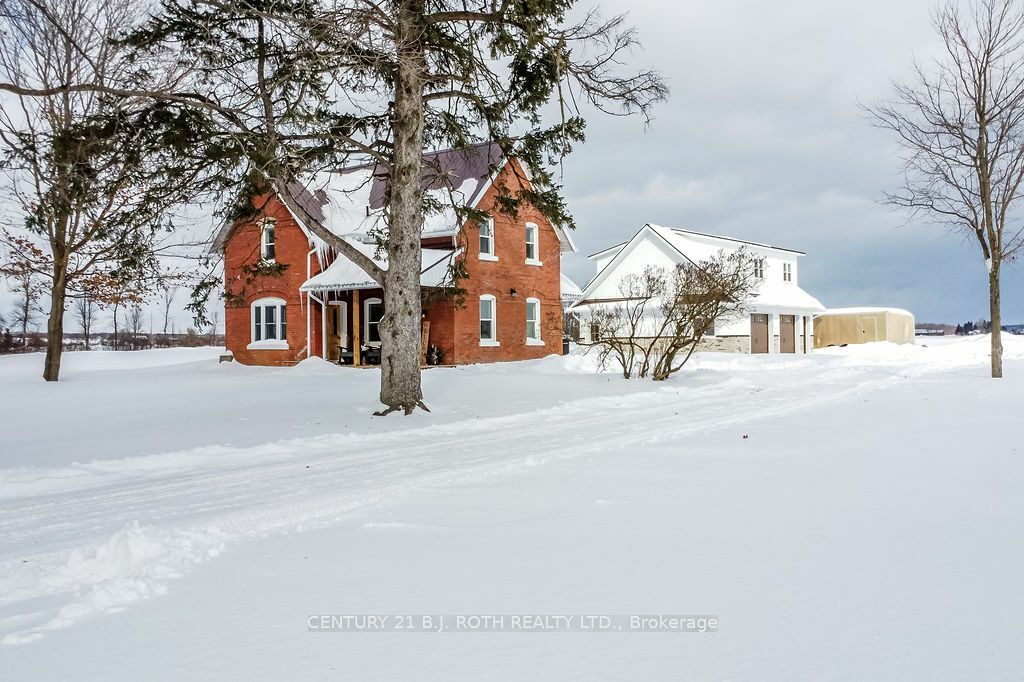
{"points": [[787, 333], [758, 333]]}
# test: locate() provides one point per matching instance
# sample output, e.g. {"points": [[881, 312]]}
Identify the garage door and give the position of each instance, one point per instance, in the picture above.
{"points": [[787, 333], [758, 333]]}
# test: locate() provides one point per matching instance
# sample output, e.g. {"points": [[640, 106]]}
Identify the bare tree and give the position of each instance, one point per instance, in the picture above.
{"points": [[214, 323], [168, 292], [960, 124], [697, 296], [134, 322], [27, 288], [618, 329], [90, 171], [662, 316], [85, 310]]}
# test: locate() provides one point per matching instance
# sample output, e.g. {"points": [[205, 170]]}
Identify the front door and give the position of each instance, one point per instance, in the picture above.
{"points": [[758, 333], [787, 333]]}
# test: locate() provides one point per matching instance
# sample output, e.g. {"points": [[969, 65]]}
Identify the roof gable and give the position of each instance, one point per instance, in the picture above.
{"points": [[647, 232], [350, 202]]}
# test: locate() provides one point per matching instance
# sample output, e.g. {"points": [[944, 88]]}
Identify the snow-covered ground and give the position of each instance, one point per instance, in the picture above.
{"points": [[850, 515]]}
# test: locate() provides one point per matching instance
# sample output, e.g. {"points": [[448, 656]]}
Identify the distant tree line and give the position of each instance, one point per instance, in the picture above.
{"points": [[981, 327]]}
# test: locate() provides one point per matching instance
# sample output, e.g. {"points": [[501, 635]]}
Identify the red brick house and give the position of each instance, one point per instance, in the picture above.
{"points": [[289, 296]]}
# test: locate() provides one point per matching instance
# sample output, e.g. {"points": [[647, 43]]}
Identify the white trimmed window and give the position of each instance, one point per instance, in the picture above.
{"points": [[533, 322], [488, 321], [532, 249], [373, 311], [759, 268], [269, 324], [787, 272], [487, 240], [268, 248]]}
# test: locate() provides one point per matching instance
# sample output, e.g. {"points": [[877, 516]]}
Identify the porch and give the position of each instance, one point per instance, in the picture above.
{"points": [[348, 325], [344, 310]]}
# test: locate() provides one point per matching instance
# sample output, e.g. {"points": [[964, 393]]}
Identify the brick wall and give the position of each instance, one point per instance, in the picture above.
{"points": [[455, 330], [441, 316], [243, 249], [498, 278]]}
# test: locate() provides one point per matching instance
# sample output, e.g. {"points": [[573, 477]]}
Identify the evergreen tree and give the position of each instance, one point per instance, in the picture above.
{"points": [[292, 86]]}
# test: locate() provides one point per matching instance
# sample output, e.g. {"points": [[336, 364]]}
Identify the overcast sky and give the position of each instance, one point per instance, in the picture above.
{"points": [[762, 139]]}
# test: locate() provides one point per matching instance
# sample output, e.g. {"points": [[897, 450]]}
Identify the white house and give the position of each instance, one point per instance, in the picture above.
{"points": [[779, 319]]}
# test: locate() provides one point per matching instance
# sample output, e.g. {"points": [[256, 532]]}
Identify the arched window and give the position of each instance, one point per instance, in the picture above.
{"points": [[373, 310], [269, 324], [488, 321], [268, 247], [533, 322]]}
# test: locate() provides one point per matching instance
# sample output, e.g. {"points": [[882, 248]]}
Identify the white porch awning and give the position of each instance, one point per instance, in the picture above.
{"points": [[344, 275]]}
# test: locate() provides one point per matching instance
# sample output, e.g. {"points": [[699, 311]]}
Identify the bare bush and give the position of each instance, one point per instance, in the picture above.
{"points": [[662, 315]]}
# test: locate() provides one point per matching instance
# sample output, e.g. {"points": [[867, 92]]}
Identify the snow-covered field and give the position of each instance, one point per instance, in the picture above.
{"points": [[852, 515]]}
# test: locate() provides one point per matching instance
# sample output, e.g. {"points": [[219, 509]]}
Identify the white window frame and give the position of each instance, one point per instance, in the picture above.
{"points": [[487, 225], [366, 321], [280, 312], [759, 268], [533, 340], [493, 340], [269, 225], [535, 230], [787, 272]]}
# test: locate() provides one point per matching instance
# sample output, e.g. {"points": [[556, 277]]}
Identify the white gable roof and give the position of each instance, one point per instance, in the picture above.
{"points": [[569, 289], [667, 247]]}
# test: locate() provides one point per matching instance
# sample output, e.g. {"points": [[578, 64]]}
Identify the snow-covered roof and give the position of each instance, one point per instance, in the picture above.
{"points": [[353, 198], [350, 201], [865, 310], [569, 288], [679, 236], [343, 274], [786, 295]]}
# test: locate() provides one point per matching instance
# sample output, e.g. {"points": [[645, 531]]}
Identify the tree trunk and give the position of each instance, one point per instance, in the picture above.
{"points": [[996, 317], [26, 311], [55, 324], [400, 387]]}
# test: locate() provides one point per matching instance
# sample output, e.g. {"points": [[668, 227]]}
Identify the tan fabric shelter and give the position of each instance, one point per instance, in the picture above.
{"points": [[841, 326]]}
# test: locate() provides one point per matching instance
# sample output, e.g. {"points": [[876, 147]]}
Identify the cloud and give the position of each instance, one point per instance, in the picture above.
{"points": [[763, 139]]}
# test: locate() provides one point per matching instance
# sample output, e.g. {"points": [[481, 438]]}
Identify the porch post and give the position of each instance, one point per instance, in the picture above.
{"points": [[323, 327], [356, 341], [309, 305]]}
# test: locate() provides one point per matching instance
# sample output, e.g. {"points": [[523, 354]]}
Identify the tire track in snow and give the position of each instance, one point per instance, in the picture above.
{"points": [[108, 543]]}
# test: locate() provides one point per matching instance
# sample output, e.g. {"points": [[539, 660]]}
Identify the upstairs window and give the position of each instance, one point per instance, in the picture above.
{"points": [[533, 322], [269, 322], [787, 272], [267, 243], [759, 268], [487, 239], [531, 244], [488, 323]]}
